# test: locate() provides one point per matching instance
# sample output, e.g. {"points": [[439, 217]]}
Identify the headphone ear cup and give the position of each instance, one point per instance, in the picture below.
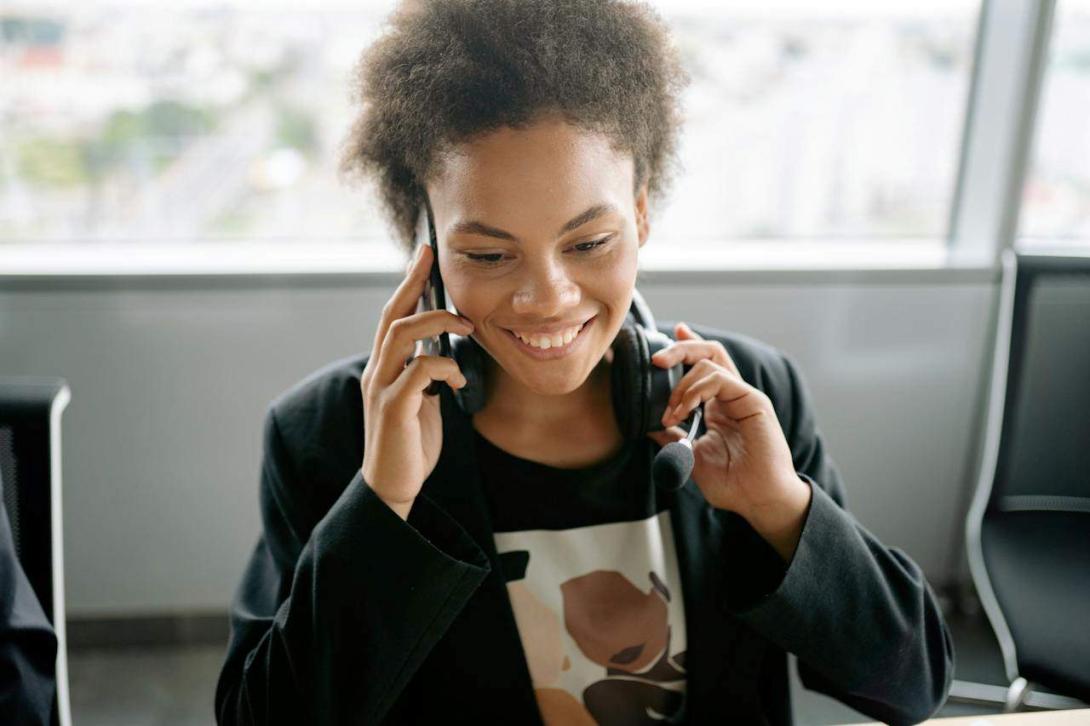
{"points": [[626, 382], [660, 381], [470, 357], [640, 388]]}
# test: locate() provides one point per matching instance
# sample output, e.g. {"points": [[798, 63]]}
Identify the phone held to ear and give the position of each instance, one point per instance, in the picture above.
{"points": [[434, 298]]}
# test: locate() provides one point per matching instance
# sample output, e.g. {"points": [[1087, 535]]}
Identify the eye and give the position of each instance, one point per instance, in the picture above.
{"points": [[490, 259], [494, 258], [593, 244]]}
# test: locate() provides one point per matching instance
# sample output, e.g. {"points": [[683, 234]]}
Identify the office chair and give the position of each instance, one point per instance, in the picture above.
{"points": [[1028, 528], [30, 467]]}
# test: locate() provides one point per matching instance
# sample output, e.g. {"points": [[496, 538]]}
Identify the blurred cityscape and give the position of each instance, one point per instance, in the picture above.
{"points": [[207, 121]]}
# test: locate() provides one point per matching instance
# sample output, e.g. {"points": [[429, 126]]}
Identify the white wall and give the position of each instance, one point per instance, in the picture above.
{"points": [[170, 378]]}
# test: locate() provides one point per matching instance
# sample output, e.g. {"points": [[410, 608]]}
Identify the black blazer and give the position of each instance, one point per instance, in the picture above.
{"points": [[347, 614]]}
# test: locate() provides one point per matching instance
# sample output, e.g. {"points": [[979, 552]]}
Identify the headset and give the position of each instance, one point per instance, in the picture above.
{"points": [[639, 389]]}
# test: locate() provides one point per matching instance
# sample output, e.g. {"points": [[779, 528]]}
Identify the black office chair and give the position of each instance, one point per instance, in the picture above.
{"points": [[30, 468], [1028, 529]]}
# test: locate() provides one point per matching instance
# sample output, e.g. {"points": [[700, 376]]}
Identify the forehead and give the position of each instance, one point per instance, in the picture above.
{"points": [[550, 165]]}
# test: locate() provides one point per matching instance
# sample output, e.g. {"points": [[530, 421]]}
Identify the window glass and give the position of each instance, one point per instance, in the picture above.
{"points": [[821, 120], [200, 121], [1056, 197], [180, 121]]}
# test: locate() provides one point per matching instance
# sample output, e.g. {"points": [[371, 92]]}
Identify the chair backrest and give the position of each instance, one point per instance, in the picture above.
{"points": [[1028, 530], [30, 468]]}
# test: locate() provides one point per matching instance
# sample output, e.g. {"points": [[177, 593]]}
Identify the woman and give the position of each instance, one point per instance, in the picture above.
{"points": [[515, 565]]}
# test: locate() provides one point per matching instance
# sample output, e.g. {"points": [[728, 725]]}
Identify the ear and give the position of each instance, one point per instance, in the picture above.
{"points": [[643, 226]]}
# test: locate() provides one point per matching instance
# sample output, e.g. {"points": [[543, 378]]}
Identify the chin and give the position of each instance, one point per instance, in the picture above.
{"points": [[559, 381]]}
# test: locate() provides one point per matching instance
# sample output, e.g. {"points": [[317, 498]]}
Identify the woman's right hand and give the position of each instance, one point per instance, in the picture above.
{"points": [[403, 425]]}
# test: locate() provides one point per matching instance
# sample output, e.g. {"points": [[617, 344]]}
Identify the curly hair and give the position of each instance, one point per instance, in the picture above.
{"points": [[448, 71]]}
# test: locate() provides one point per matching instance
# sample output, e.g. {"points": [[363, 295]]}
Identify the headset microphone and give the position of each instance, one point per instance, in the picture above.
{"points": [[674, 463]]}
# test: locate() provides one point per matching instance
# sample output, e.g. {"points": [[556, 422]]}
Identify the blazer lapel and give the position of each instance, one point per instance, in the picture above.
{"points": [[481, 654]]}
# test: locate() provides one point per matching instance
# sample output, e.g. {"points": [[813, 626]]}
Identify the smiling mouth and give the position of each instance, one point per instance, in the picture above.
{"points": [[552, 352]]}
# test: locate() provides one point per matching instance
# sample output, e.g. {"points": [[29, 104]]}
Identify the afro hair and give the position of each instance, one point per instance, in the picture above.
{"points": [[447, 71]]}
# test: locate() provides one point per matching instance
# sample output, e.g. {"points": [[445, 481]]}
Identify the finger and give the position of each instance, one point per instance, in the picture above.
{"points": [[684, 332], [407, 296], [739, 399], [404, 396], [403, 334], [701, 368], [689, 333], [689, 351], [404, 300]]}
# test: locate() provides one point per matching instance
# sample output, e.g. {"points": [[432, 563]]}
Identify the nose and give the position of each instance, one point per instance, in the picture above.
{"points": [[546, 291]]}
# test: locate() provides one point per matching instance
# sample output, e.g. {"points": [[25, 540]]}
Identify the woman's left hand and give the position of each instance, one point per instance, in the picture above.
{"points": [[742, 462]]}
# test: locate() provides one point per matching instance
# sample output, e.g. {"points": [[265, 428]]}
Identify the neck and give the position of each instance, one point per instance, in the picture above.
{"points": [[508, 400]]}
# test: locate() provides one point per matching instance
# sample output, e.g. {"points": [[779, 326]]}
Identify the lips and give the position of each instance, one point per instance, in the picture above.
{"points": [[555, 352], [551, 330]]}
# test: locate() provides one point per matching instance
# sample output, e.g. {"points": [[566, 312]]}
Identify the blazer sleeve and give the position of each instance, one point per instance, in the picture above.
{"points": [[331, 619], [28, 644], [860, 616]]}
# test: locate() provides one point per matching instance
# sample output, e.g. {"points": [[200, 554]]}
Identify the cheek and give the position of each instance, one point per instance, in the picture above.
{"points": [[471, 298], [615, 278]]}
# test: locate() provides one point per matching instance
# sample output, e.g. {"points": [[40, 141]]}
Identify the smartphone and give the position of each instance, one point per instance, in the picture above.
{"points": [[434, 298]]}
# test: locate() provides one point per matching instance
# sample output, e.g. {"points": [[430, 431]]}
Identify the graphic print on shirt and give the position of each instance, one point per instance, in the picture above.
{"points": [[600, 617]]}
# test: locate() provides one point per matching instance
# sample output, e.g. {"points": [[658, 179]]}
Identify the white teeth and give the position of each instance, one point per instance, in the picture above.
{"points": [[555, 341]]}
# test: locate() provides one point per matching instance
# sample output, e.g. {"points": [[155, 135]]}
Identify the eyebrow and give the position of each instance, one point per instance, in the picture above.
{"points": [[475, 227]]}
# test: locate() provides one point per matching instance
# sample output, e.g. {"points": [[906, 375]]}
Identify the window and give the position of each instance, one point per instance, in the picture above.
{"points": [[1056, 195], [191, 122], [204, 122], [838, 120]]}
